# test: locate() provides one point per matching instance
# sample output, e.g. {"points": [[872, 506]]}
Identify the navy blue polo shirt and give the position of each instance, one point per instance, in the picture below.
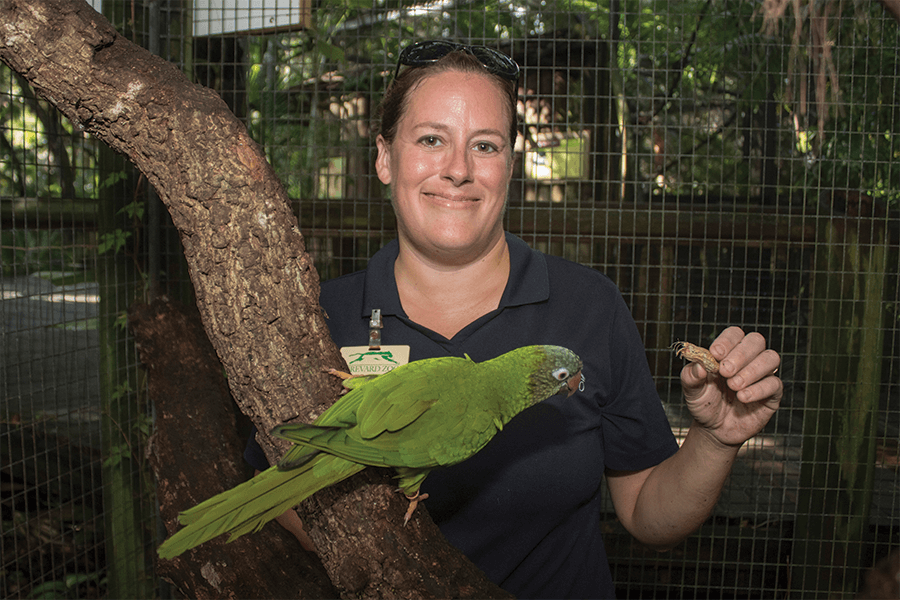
{"points": [[526, 509]]}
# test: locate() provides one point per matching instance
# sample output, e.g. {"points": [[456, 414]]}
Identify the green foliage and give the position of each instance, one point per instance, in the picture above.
{"points": [[65, 588], [698, 75], [69, 521], [861, 150], [33, 137], [116, 240]]}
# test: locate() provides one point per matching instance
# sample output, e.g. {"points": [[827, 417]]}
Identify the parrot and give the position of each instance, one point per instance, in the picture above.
{"points": [[417, 417]]}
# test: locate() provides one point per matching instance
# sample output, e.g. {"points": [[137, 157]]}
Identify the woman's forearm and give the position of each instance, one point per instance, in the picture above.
{"points": [[680, 493]]}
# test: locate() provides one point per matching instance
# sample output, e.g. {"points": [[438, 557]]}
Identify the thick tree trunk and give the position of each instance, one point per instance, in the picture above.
{"points": [[257, 291]]}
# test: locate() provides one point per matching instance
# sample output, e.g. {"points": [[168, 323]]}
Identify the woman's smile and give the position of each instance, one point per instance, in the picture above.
{"points": [[451, 200]]}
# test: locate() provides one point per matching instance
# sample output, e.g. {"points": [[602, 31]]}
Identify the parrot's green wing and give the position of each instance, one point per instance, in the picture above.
{"points": [[381, 404], [398, 401]]}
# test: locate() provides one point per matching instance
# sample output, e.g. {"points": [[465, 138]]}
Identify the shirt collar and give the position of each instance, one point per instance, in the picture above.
{"points": [[529, 281]]}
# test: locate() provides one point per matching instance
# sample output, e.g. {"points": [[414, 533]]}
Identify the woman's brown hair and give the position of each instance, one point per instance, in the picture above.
{"points": [[393, 105]]}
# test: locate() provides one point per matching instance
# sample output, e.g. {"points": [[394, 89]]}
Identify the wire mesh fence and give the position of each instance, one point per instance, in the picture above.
{"points": [[723, 162]]}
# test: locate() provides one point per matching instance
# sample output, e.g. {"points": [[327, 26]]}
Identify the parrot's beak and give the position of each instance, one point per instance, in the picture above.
{"points": [[573, 383]]}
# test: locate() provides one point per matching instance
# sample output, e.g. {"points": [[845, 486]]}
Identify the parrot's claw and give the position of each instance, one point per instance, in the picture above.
{"points": [[413, 503], [343, 375]]}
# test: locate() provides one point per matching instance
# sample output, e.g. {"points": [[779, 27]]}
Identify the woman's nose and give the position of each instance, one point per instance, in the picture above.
{"points": [[458, 168]]}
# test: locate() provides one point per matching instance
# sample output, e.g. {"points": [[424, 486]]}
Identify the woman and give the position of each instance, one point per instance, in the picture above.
{"points": [[526, 509]]}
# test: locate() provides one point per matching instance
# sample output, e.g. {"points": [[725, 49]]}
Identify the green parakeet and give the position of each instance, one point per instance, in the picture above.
{"points": [[426, 414]]}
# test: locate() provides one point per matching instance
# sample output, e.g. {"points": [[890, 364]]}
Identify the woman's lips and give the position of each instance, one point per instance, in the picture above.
{"points": [[450, 199]]}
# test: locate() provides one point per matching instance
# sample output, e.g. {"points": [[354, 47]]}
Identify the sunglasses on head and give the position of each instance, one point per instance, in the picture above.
{"points": [[425, 53]]}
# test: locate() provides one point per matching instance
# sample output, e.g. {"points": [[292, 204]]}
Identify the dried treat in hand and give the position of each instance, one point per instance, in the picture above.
{"points": [[689, 351]]}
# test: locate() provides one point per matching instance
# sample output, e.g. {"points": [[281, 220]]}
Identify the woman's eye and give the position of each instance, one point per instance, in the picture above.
{"points": [[485, 147], [430, 140]]}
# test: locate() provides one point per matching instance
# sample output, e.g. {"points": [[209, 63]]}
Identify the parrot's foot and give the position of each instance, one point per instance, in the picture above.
{"points": [[413, 503], [343, 375]]}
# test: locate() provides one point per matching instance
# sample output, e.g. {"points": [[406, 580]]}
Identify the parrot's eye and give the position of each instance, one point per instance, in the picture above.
{"points": [[561, 374]]}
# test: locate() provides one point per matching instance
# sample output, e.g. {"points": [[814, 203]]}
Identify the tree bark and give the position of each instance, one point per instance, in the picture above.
{"points": [[256, 288]]}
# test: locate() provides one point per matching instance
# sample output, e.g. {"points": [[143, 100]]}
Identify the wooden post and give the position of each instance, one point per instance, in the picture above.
{"points": [[845, 356], [126, 521], [652, 306]]}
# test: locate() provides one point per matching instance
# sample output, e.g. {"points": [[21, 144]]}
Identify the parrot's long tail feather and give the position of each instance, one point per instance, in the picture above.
{"points": [[296, 457], [250, 505]]}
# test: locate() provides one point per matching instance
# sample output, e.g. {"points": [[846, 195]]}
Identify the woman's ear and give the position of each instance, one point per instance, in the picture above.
{"points": [[383, 160]]}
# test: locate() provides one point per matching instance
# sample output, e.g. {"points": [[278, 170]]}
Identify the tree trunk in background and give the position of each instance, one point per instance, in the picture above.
{"points": [[256, 289], [188, 387], [127, 488], [840, 427]]}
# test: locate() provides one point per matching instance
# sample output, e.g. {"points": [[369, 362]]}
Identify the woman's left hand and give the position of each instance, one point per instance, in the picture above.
{"points": [[735, 404]]}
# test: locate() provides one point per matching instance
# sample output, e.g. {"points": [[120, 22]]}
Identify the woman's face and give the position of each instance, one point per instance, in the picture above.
{"points": [[449, 166]]}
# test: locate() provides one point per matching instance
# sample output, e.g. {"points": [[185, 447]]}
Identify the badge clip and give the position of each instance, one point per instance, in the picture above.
{"points": [[375, 326]]}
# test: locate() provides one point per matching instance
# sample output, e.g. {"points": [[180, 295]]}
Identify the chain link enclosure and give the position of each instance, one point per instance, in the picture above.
{"points": [[724, 162]]}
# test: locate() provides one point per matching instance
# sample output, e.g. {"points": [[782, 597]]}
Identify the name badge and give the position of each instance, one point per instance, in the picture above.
{"points": [[364, 360]]}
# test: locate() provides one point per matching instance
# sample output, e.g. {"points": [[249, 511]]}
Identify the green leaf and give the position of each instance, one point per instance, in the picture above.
{"points": [[116, 454], [79, 578], [330, 51], [113, 241], [112, 179], [50, 589], [134, 210], [121, 322]]}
